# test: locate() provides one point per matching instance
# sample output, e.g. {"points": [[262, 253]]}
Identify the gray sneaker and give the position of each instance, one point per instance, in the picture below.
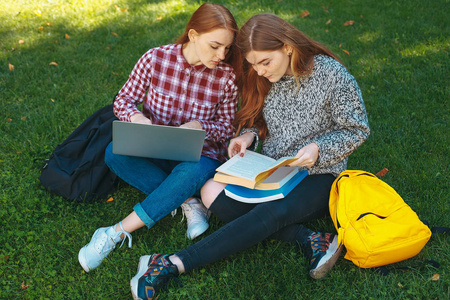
{"points": [[197, 216], [103, 241]]}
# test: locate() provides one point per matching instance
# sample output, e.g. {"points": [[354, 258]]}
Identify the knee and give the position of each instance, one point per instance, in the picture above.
{"points": [[210, 190], [274, 211]]}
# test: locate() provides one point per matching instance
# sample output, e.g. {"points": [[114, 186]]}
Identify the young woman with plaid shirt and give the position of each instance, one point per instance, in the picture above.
{"points": [[188, 84]]}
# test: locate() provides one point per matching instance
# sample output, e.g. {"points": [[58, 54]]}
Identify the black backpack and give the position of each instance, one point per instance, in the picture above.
{"points": [[76, 169]]}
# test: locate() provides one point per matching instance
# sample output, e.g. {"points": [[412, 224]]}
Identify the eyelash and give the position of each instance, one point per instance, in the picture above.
{"points": [[215, 48]]}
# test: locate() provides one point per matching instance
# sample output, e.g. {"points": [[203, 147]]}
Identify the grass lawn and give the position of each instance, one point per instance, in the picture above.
{"points": [[60, 60]]}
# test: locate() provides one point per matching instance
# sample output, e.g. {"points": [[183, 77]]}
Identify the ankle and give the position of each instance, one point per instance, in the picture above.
{"points": [[192, 200], [177, 262]]}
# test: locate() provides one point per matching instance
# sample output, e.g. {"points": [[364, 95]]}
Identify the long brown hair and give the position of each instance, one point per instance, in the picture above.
{"points": [[268, 32], [209, 17]]}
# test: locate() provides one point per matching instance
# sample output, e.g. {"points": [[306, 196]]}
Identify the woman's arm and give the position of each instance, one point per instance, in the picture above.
{"points": [[133, 92], [351, 127]]}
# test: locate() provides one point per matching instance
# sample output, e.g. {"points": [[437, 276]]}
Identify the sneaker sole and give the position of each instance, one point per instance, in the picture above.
{"points": [[142, 268], [82, 260], [323, 270], [199, 230]]}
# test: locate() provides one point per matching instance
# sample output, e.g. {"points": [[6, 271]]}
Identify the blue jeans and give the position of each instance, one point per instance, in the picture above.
{"points": [[166, 183], [248, 224]]}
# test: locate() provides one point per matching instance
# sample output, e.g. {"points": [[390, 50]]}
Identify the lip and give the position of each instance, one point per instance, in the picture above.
{"points": [[215, 62]]}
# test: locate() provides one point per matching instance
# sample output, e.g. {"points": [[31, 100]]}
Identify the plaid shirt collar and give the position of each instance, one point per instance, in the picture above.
{"points": [[183, 64]]}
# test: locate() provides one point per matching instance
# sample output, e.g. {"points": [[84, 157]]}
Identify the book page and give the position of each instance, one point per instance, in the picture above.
{"points": [[248, 166]]}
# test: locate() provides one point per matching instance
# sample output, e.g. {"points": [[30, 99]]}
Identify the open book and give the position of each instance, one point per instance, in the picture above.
{"points": [[249, 170], [247, 195]]}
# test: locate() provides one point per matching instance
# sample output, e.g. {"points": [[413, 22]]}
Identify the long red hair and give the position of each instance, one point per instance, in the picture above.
{"points": [[268, 32], [209, 17]]}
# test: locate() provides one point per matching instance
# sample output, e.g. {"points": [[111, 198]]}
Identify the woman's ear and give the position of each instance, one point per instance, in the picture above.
{"points": [[288, 49], [192, 34]]}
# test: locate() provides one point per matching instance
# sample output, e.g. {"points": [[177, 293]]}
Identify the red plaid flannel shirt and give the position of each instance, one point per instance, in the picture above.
{"points": [[173, 92]]}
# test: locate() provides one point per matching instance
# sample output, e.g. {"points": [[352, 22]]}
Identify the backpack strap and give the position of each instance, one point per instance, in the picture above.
{"points": [[443, 230], [385, 271]]}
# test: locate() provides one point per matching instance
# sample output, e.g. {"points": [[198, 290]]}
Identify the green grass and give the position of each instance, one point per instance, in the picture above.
{"points": [[398, 54]]}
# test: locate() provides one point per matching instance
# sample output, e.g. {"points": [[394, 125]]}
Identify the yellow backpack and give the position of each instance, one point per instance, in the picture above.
{"points": [[376, 226]]}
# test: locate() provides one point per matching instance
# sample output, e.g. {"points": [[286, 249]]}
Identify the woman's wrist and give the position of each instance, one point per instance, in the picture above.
{"points": [[255, 132]]}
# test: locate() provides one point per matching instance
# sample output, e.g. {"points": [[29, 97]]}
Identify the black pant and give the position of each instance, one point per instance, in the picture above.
{"points": [[248, 224]]}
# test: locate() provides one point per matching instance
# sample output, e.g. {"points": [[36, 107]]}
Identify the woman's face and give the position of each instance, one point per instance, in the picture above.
{"points": [[210, 48], [270, 64]]}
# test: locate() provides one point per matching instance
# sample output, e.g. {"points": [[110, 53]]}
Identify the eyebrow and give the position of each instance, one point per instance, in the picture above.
{"points": [[260, 62], [218, 43]]}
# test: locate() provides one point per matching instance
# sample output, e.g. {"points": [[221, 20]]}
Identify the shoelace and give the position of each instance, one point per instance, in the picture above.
{"points": [[127, 235]]}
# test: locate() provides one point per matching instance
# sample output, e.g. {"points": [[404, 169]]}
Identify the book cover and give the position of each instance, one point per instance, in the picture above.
{"points": [[248, 195], [278, 178]]}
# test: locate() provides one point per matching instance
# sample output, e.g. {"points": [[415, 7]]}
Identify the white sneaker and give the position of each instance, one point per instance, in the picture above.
{"points": [[103, 241], [197, 216]]}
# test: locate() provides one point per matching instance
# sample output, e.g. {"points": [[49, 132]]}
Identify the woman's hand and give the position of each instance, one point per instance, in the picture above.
{"points": [[240, 143], [307, 156], [140, 118], [192, 125]]}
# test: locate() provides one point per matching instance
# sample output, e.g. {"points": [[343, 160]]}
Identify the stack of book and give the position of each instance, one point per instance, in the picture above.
{"points": [[257, 178]]}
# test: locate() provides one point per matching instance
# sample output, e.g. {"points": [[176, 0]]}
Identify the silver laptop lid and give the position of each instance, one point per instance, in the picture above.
{"points": [[157, 141]]}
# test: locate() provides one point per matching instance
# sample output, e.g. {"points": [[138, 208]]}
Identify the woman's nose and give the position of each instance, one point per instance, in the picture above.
{"points": [[221, 54]]}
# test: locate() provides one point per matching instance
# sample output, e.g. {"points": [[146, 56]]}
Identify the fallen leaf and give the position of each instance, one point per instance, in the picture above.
{"points": [[23, 286], [382, 172], [41, 28], [346, 52], [121, 9], [21, 41], [400, 285], [110, 199], [48, 24], [11, 67], [67, 36], [114, 34], [159, 18], [304, 14], [108, 47], [435, 277], [53, 63], [23, 118], [53, 100], [328, 22], [9, 120], [325, 9], [349, 23]]}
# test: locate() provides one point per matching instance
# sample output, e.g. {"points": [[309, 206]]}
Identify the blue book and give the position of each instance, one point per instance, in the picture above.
{"points": [[247, 195]]}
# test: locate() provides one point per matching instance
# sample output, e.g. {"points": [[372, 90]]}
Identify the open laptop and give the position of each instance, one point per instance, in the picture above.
{"points": [[157, 141]]}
